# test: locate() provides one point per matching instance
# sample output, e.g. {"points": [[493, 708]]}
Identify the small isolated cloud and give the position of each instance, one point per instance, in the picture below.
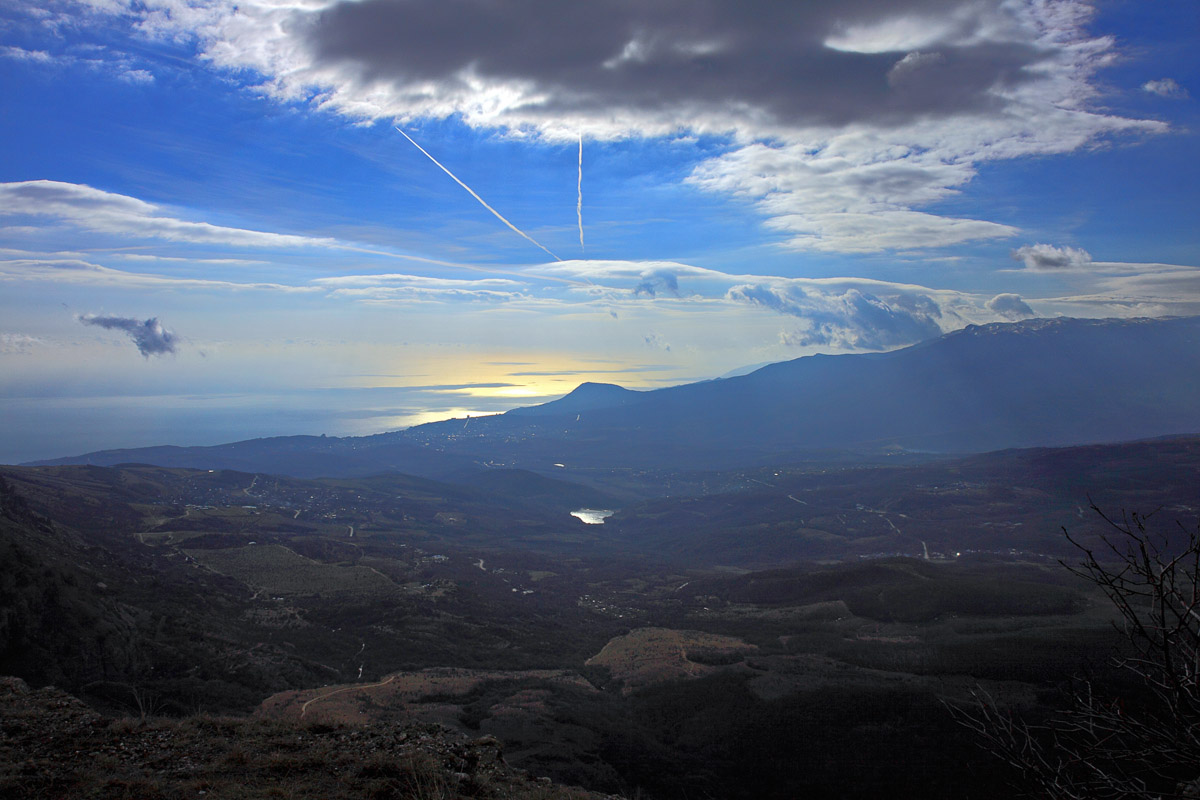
{"points": [[1010, 306], [21, 54], [1047, 256], [850, 319], [137, 76], [656, 341], [1167, 87], [151, 338], [907, 68]]}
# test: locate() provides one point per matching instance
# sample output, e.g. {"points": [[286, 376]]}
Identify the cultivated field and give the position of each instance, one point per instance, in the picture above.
{"points": [[280, 571]]}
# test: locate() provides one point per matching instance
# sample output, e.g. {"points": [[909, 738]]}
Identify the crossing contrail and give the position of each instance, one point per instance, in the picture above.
{"points": [[579, 201], [499, 216]]}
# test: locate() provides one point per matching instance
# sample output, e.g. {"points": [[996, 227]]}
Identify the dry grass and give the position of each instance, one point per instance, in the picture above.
{"points": [[652, 655]]}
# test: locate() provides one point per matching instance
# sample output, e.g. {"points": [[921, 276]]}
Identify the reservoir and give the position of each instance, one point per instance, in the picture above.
{"points": [[592, 516]]}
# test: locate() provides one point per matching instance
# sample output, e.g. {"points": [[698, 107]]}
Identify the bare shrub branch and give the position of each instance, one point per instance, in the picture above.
{"points": [[1105, 746]]}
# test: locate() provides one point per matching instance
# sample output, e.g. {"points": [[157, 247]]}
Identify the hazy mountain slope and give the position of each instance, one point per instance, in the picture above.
{"points": [[297, 456], [1028, 384], [1037, 383]]}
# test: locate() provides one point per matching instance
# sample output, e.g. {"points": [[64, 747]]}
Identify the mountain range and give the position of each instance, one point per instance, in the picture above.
{"points": [[1042, 382]]}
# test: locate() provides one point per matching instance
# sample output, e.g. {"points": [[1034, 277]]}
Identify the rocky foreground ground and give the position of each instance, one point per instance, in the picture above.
{"points": [[54, 746]]}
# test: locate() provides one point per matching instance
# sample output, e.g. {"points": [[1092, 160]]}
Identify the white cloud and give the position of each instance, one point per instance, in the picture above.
{"points": [[399, 289], [1119, 289], [850, 319], [105, 212], [908, 68], [21, 54], [1047, 256], [18, 343], [1010, 306], [395, 280], [401, 295], [638, 278], [77, 271], [847, 313], [1166, 87], [137, 76]]}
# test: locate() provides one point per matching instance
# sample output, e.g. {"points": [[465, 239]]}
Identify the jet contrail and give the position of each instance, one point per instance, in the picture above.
{"points": [[579, 201], [499, 216]]}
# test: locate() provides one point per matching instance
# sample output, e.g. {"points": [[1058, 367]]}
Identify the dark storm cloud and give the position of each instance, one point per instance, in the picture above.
{"points": [[767, 59], [852, 318], [151, 338]]}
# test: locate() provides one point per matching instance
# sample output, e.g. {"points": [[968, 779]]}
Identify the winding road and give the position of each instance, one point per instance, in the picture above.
{"points": [[304, 708]]}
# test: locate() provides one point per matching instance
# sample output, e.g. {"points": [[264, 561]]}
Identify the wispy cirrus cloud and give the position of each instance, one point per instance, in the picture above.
{"points": [[397, 288], [22, 54], [67, 269], [394, 279], [403, 295], [93, 58], [99, 211]]}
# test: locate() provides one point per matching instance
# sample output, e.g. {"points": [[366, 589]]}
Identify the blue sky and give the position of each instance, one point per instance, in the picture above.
{"points": [[210, 228]]}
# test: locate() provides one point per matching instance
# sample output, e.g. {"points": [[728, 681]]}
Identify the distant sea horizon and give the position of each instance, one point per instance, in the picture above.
{"points": [[38, 429]]}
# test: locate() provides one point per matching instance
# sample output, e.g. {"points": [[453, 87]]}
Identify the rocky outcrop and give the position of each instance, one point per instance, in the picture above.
{"points": [[52, 745]]}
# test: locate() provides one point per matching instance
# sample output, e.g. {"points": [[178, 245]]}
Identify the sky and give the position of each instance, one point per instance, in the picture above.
{"points": [[224, 220]]}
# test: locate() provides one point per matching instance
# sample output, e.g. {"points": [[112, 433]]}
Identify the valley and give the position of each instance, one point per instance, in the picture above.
{"points": [[769, 615]]}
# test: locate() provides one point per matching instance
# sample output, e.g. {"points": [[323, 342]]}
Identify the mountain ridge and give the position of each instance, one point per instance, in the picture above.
{"points": [[1043, 382]]}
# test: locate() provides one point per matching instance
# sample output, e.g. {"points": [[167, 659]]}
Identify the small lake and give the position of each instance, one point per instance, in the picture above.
{"points": [[592, 516]]}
